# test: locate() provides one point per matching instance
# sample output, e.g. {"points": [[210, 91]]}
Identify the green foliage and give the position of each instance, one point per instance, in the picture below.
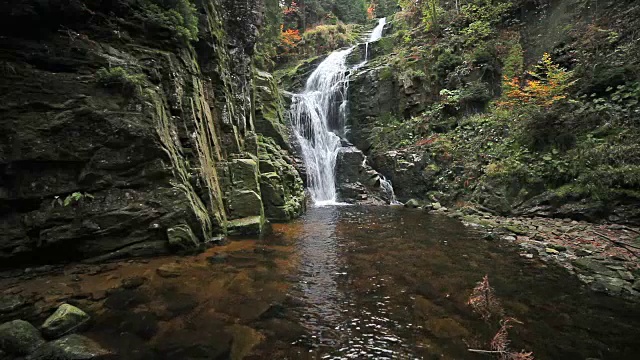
{"points": [[180, 16], [390, 132], [322, 39], [574, 118], [446, 63], [488, 11], [118, 78], [385, 7], [477, 31], [351, 11], [266, 47], [514, 62], [74, 199]]}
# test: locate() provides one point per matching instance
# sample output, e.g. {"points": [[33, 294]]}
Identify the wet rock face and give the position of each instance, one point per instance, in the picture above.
{"points": [[111, 131], [282, 189], [357, 181], [375, 91]]}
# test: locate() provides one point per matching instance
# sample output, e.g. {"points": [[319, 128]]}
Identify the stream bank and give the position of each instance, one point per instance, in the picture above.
{"points": [[603, 256]]}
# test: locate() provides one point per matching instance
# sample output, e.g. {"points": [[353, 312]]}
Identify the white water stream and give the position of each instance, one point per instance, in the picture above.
{"points": [[318, 116]]}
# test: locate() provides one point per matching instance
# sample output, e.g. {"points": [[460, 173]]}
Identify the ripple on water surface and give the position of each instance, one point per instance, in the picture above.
{"points": [[342, 282]]}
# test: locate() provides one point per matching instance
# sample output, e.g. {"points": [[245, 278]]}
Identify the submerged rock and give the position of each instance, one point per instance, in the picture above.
{"points": [[67, 318], [72, 347], [19, 337], [133, 282], [446, 328], [11, 303], [168, 270]]}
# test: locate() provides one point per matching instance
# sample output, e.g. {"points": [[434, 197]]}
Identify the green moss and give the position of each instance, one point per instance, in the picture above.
{"points": [[180, 16], [119, 78], [386, 73], [516, 229]]}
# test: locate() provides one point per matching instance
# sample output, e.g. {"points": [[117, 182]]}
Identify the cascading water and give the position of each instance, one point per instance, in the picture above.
{"points": [[315, 113], [318, 116], [375, 35]]}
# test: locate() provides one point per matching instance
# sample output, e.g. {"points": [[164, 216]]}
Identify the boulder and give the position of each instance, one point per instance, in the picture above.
{"points": [[357, 181], [243, 203], [282, 188], [412, 203], [19, 337], [66, 319], [72, 347], [246, 226], [182, 237], [11, 303], [244, 174]]}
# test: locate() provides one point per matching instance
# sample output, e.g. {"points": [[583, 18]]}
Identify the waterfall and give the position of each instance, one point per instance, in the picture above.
{"points": [[376, 34], [315, 116], [318, 117]]}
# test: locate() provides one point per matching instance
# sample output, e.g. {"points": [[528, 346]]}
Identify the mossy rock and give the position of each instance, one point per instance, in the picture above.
{"points": [[182, 237], [19, 337], [252, 225]]}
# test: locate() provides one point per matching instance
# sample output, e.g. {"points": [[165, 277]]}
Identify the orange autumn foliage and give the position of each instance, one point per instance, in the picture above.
{"points": [[289, 39], [549, 84], [289, 10], [371, 11]]}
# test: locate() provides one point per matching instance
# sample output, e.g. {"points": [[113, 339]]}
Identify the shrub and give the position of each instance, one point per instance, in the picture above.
{"points": [[548, 85], [117, 77]]}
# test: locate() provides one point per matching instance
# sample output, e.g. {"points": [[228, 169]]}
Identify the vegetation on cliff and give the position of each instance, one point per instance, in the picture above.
{"points": [[519, 105], [131, 128]]}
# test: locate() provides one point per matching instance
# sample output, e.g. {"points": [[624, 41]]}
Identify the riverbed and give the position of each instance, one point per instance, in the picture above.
{"points": [[340, 282]]}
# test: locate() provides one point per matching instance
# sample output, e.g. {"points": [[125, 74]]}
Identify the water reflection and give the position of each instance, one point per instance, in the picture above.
{"points": [[344, 282], [319, 267]]}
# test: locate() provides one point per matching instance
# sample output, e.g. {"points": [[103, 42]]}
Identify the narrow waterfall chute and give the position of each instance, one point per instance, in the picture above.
{"points": [[376, 34]]}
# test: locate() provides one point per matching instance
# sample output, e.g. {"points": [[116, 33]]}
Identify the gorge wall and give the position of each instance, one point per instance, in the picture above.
{"points": [[133, 127], [429, 109]]}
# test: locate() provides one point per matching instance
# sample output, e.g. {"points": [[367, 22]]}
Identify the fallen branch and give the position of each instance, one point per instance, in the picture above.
{"points": [[632, 230], [620, 243]]}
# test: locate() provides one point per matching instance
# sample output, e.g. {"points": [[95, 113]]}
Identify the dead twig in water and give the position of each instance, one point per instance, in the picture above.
{"points": [[488, 352]]}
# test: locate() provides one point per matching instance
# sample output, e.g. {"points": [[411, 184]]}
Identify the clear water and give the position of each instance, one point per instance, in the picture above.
{"points": [[345, 282]]}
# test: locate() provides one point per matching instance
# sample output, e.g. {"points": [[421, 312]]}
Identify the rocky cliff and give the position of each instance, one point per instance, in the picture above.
{"points": [[439, 110], [133, 127]]}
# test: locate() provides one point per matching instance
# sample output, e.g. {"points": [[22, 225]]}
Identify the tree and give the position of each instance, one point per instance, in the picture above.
{"points": [[351, 11]]}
